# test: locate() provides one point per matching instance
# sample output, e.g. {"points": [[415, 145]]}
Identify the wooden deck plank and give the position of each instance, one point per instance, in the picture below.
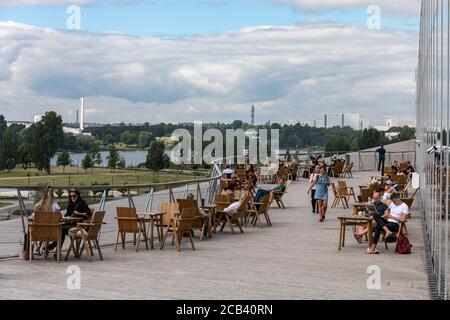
{"points": [[295, 259]]}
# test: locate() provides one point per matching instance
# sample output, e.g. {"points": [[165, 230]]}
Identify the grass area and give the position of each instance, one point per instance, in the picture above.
{"points": [[73, 177], [4, 204]]}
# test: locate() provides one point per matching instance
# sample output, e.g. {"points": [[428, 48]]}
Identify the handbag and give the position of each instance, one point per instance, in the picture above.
{"points": [[403, 245]]}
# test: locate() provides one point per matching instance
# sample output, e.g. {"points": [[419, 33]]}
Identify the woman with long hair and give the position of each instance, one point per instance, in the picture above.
{"points": [[47, 202], [321, 183]]}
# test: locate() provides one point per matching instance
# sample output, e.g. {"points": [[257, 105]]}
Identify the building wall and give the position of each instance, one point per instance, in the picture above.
{"points": [[433, 127]]}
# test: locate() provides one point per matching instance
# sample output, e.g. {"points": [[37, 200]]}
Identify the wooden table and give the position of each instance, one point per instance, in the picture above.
{"points": [[359, 207], [154, 218], [355, 221]]}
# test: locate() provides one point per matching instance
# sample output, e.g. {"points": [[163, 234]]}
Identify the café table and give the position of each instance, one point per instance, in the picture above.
{"points": [[154, 218], [211, 216], [355, 221]]}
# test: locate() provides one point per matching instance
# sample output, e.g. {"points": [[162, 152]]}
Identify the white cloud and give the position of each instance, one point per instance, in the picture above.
{"points": [[398, 7], [306, 70]]}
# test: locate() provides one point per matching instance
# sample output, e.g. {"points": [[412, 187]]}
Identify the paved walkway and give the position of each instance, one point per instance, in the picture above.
{"points": [[297, 258]]}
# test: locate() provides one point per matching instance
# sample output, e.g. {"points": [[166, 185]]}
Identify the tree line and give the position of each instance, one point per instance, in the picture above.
{"points": [[38, 144]]}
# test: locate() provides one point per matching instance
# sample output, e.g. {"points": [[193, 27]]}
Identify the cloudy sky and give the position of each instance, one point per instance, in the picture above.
{"points": [[203, 60]]}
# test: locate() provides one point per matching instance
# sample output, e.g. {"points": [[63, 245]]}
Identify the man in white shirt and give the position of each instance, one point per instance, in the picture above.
{"points": [[228, 171], [397, 212]]}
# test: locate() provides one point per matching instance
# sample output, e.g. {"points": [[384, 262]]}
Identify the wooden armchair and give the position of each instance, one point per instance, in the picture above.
{"points": [[87, 237], [184, 223], [401, 230], [201, 223], [46, 226], [347, 171], [278, 195], [129, 222], [234, 218], [346, 191], [337, 169], [338, 197], [171, 211], [260, 208]]}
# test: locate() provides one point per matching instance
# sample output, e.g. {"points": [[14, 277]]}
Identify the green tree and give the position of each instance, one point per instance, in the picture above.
{"points": [[237, 124], [293, 141], [122, 163], [156, 157], [3, 126], [87, 162], [9, 147], [113, 158], [64, 160], [129, 138], [145, 138], [42, 140]]}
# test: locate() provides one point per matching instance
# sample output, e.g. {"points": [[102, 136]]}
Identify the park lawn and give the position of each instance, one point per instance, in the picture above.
{"points": [[4, 204], [19, 172], [100, 178]]}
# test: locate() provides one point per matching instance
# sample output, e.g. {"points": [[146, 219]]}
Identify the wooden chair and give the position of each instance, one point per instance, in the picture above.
{"points": [[234, 218], [201, 223], [338, 197], [401, 230], [87, 237], [348, 171], [46, 226], [171, 211], [337, 169], [129, 222], [366, 193], [184, 223], [278, 195], [260, 208], [346, 191], [242, 174]]}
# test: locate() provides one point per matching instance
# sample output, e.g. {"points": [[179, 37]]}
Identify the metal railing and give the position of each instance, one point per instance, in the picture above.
{"points": [[204, 188], [362, 160]]}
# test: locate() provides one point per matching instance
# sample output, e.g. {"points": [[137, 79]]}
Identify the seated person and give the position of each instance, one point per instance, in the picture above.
{"points": [[78, 208], [380, 210], [252, 179], [409, 168], [388, 191], [395, 168], [262, 192], [232, 208], [397, 212], [233, 184], [228, 171]]}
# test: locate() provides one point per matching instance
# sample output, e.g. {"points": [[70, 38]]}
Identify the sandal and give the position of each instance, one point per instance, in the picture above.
{"points": [[358, 238], [372, 252]]}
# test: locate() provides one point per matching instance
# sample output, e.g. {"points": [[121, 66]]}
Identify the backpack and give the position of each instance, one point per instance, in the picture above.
{"points": [[403, 245]]}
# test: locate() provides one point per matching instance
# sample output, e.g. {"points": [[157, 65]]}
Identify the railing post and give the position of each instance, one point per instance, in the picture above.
{"points": [[149, 205]]}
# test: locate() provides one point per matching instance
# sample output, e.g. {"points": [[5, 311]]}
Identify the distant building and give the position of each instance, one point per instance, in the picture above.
{"points": [[391, 122], [364, 123], [342, 120]]}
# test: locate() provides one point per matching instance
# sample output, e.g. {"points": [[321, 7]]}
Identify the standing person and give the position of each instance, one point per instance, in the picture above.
{"points": [[381, 157], [312, 178], [321, 183]]}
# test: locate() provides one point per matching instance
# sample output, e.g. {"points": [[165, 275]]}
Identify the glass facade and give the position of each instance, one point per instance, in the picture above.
{"points": [[433, 122]]}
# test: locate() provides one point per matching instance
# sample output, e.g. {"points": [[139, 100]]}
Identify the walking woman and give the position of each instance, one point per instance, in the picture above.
{"points": [[312, 178], [321, 183]]}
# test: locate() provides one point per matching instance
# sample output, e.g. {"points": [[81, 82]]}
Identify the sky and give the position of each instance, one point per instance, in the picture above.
{"points": [[156, 61]]}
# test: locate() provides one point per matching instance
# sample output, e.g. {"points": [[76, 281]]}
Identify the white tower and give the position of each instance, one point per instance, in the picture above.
{"points": [[82, 114]]}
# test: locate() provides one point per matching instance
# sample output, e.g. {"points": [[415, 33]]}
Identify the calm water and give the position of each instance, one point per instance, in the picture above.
{"points": [[132, 158]]}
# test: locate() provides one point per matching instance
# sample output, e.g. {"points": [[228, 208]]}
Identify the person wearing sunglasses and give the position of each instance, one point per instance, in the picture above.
{"points": [[77, 206]]}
